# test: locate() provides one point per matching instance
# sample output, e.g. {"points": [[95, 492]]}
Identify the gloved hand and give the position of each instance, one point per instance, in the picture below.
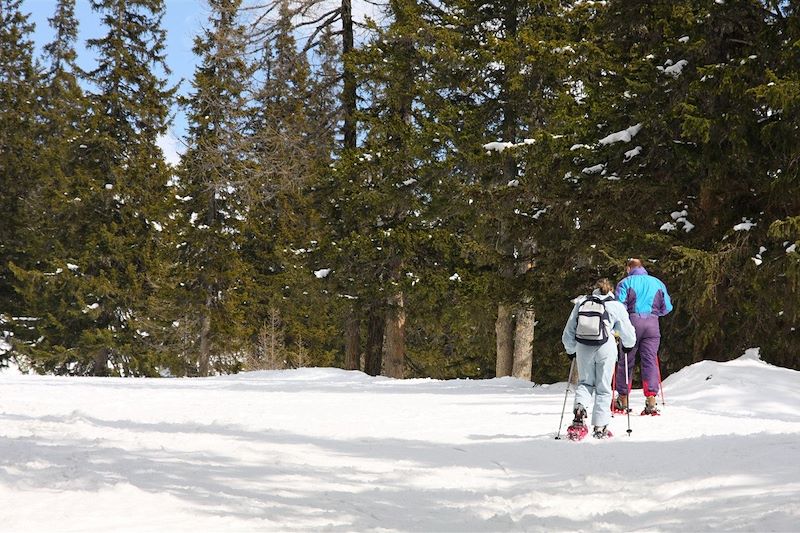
{"points": [[571, 356], [624, 353]]}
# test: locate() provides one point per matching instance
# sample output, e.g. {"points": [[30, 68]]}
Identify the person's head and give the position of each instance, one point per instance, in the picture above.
{"points": [[633, 262], [604, 286]]}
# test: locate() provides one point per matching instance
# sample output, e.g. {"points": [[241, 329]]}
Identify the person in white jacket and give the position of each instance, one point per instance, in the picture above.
{"points": [[596, 355]]}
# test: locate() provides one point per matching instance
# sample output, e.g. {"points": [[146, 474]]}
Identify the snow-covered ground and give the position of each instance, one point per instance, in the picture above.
{"points": [[329, 450]]}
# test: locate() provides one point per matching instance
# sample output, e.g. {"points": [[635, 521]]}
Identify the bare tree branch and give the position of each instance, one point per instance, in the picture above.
{"points": [[335, 12], [310, 43], [269, 9]]}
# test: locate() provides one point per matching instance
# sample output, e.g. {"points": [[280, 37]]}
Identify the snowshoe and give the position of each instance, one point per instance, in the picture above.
{"points": [[650, 408], [602, 432], [577, 430]]}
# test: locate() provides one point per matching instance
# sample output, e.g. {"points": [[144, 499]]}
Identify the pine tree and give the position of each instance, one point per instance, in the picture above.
{"points": [[292, 127], [61, 112], [19, 164], [349, 247], [48, 202], [210, 278], [326, 21], [63, 100], [381, 195], [741, 173], [95, 316], [779, 102]]}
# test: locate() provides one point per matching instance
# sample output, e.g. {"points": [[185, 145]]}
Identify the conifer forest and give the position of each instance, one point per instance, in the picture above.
{"points": [[416, 195]]}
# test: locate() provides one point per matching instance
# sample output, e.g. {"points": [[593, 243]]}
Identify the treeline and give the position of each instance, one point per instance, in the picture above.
{"points": [[421, 195]]}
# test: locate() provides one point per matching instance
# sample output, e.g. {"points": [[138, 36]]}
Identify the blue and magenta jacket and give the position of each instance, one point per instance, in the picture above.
{"points": [[643, 294]]}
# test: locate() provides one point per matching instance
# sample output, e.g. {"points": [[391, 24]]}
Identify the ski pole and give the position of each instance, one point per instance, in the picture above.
{"points": [[614, 376], [564, 407], [629, 379], [660, 384]]}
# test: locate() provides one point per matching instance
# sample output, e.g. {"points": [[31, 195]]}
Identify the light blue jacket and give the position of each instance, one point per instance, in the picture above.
{"points": [[617, 314]]}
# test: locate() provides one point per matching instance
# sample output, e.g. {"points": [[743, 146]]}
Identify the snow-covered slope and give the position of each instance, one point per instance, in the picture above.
{"points": [[323, 449]]}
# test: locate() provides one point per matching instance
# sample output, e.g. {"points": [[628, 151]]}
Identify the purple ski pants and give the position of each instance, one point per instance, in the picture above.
{"points": [[648, 338]]}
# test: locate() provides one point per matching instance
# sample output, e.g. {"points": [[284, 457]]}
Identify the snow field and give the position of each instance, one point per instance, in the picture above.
{"points": [[330, 450]]}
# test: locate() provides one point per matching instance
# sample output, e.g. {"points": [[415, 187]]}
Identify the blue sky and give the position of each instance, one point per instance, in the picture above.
{"points": [[183, 19]]}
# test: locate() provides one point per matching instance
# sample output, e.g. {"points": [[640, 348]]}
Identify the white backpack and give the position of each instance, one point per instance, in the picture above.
{"points": [[593, 322]]}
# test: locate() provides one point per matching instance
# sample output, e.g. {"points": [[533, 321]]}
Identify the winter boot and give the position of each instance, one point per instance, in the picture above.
{"points": [[601, 432], [578, 429], [650, 407], [580, 415], [621, 404]]}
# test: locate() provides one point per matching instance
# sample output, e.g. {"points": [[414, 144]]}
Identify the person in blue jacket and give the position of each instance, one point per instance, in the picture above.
{"points": [[596, 362], [646, 299]]}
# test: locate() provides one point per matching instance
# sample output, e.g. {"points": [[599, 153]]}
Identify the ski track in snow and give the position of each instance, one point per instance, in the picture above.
{"points": [[330, 450]]}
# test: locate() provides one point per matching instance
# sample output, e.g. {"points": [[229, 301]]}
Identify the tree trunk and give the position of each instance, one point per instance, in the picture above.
{"points": [[504, 327], [523, 343], [373, 354], [395, 363], [348, 96], [100, 367], [504, 331], [509, 96], [205, 341], [352, 340]]}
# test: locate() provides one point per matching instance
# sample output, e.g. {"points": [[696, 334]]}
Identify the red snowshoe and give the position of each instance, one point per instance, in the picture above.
{"points": [[577, 431]]}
